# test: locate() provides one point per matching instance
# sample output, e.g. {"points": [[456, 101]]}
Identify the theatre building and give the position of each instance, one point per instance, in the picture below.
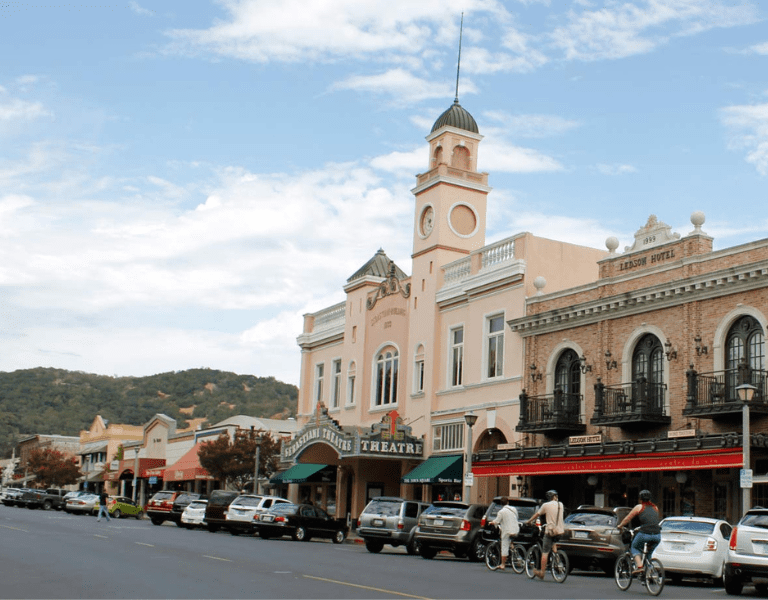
{"points": [[635, 380], [388, 375]]}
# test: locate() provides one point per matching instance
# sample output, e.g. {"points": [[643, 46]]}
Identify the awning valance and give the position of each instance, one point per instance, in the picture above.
{"points": [[437, 469], [299, 473]]}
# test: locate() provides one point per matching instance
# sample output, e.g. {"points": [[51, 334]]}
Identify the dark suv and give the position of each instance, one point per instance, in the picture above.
{"points": [[181, 502], [218, 502], [388, 520], [525, 508], [453, 526], [591, 538]]}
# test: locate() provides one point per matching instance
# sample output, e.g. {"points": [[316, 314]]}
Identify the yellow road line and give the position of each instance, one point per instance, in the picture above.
{"points": [[142, 544], [216, 558], [366, 587], [14, 528]]}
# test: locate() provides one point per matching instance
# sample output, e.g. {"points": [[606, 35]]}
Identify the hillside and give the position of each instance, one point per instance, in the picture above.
{"points": [[55, 401]]}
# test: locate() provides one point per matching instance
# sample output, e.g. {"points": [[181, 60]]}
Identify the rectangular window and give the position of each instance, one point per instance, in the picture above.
{"points": [[449, 436], [336, 394], [419, 376], [495, 346], [319, 382], [457, 356], [350, 389]]}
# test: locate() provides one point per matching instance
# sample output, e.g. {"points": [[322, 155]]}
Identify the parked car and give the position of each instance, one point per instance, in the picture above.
{"points": [[119, 506], [160, 505], [194, 514], [747, 558], [452, 526], [45, 499], [389, 520], [244, 511], [74, 494], [302, 522], [12, 496], [81, 504], [181, 502], [525, 508], [693, 547], [591, 538], [218, 502]]}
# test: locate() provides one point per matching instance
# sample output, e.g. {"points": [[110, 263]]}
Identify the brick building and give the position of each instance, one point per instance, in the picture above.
{"points": [[632, 380]]}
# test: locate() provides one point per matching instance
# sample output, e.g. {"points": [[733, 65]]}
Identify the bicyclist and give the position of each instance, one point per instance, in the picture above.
{"points": [[509, 527], [647, 515], [553, 512]]}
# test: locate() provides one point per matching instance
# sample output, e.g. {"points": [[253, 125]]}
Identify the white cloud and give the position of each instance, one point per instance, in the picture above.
{"points": [[621, 29], [403, 86], [403, 162], [532, 126], [16, 109], [140, 10], [758, 49], [748, 129], [482, 60], [616, 169], [498, 155]]}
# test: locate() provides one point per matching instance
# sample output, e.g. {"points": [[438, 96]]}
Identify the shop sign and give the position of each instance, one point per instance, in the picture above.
{"points": [[681, 433], [576, 440]]}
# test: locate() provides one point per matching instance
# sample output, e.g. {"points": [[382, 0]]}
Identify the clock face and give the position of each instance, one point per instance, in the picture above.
{"points": [[427, 220]]}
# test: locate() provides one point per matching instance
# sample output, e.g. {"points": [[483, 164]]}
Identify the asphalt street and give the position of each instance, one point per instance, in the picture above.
{"points": [[47, 554]]}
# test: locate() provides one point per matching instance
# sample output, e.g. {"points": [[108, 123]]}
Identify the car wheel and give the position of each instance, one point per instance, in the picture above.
{"points": [[374, 546], [338, 537], [476, 551], [412, 547], [117, 514], [213, 528], [428, 553], [179, 524], [139, 515], [47, 505], [157, 521], [300, 534], [733, 585]]}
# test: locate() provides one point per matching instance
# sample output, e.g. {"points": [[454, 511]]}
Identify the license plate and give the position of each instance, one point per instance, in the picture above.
{"points": [[439, 522], [378, 522], [268, 518], [581, 535], [677, 547], [761, 547]]}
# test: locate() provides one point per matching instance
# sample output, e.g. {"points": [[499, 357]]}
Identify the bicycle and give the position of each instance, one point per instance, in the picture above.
{"points": [[652, 575], [515, 559], [557, 562]]}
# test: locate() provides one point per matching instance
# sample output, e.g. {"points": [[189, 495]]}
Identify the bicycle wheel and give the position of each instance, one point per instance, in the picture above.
{"points": [[558, 565], [654, 577], [493, 556], [518, 559], [532, 560], [622, 571]]}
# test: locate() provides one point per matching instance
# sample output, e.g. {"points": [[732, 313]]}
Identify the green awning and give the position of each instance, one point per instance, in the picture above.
{"points": [[299, 473], [437, 469]]}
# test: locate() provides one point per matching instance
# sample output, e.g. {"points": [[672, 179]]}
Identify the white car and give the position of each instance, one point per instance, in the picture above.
{"points": [[245, 510], [693, 547], [81, 504], [747, 560], [194, 514]]}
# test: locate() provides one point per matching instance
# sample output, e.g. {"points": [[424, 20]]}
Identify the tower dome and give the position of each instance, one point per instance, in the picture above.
{"points": [[457, 117]]}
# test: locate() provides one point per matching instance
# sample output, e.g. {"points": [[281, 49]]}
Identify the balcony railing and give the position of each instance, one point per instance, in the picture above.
{"points": [[713, 395], [630, 403], [330, 317], [558, 412]]}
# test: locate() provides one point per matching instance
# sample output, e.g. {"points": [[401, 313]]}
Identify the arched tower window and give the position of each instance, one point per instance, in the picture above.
{"points": [[386, 377], [745, 342], [648, 365], [438, 157], [460, 158]]}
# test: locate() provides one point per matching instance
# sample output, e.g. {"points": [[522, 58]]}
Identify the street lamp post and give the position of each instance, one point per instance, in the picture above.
{"points": [[256, 468], [135, 472], [471, 419], [745, 393]]}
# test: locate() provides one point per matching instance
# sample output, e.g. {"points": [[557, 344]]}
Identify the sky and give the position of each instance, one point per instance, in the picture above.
{"points": [[180, 181]]}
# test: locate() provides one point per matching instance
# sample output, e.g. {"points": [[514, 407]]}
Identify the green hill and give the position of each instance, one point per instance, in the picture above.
{"points": [[55, 401]]}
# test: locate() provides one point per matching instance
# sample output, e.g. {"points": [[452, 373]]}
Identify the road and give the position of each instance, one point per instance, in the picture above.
{"points": [[47, 554]]}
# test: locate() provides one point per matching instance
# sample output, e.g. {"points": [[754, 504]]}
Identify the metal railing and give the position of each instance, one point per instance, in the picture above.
{"points": [[557, 409], [716, 391], [638, 398]]}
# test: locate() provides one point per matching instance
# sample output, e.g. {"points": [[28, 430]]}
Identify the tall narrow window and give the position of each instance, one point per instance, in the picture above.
{"points": [[457, 356], [351, 373], [496, 346], [386, 377], [745, 343], [319, 369], [648, 364], [418, 370], [336, 392]]}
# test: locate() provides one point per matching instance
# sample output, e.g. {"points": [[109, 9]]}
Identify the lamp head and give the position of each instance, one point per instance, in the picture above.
{"points": [[470, 418], [745, 392]]}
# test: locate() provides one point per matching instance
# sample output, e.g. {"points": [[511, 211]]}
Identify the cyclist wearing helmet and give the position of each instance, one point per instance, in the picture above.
{"points": [[647, 515], [553, 512]]}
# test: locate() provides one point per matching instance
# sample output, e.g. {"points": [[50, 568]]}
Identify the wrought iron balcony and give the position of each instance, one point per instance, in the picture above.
{"points": [[713, 395], [627, 404], [552, 413]]}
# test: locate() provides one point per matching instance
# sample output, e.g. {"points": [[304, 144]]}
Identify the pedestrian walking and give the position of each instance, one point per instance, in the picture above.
{"points": [[103, 506]]}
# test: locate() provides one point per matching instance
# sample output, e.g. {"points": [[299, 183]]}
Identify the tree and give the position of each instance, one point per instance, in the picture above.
{"points": [[233, 461], [52, 468]]}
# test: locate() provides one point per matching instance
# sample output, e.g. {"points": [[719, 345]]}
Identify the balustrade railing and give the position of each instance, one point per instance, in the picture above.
{"points": [[498, 253], [716, 391], [557, 409], [458, 270], [330, 317], [639, 398]]}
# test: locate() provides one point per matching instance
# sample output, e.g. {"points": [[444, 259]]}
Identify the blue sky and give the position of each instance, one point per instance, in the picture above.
{"points": [[181, 181]]}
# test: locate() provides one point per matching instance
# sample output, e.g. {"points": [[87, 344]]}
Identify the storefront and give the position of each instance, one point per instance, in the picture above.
{"points": [[121, 477]]}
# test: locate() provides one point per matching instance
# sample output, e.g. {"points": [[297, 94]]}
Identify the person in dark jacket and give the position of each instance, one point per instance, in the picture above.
{"points": [[647, 515], [103, 506]]}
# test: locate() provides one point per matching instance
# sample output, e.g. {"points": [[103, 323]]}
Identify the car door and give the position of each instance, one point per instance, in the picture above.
{"points": [[326, 525]]}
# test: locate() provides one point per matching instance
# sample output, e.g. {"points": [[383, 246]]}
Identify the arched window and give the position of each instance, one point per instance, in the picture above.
{"points": [[568, 373], [386, 377], [460, 158], [744, 342], [648, 365], [438, 156]]}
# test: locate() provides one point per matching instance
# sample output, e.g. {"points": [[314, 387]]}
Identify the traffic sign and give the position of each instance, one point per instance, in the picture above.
{"points": [[469, 480], [745, 477]]}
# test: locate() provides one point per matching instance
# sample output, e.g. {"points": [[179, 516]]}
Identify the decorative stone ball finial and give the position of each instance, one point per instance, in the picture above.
{"points": [[539, 283], [612, 243], [697, 218]]}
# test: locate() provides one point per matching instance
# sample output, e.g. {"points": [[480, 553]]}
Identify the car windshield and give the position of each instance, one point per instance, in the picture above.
{"points": [[591, 519], [523, 512], [687, 526], [159, 496], [756, 520], [222, 499], [447, 511], [248, 501], [288, 509], [388, 508], [197, 504], [181, 498]]}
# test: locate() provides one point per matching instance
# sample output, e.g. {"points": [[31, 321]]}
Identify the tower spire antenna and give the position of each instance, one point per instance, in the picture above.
{"points": [[458, 64]]}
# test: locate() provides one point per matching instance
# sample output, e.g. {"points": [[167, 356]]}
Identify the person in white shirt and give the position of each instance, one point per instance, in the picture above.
{"points": [[509, 527]]}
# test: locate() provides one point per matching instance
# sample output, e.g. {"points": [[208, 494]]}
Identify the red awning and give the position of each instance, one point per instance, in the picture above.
{"points": [[126, 467], [187, 468], [658, 461]]}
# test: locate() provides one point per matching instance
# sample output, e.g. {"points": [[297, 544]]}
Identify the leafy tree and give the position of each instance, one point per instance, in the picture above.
{"points": [[51, 467], [233, 461]]}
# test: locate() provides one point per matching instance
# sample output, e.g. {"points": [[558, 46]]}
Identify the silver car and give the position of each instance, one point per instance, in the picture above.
{"points": [[194, 514], [390, 520], [81, 504], [244, 511], [747, 559], [693, 547], [451, 526]]}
